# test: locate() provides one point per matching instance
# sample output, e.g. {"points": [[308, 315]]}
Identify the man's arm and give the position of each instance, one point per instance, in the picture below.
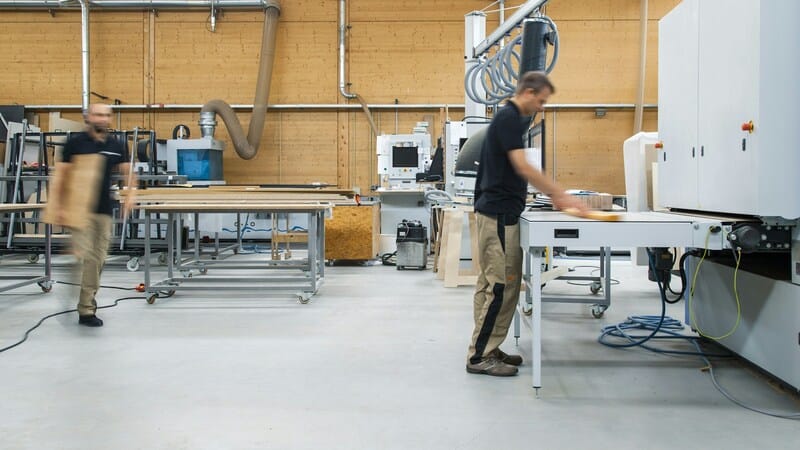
{"points": [[129, 185], [523, 168]]}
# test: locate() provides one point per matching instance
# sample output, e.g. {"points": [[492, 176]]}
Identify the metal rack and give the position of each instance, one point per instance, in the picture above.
{"points": [[17, 184], [14, 281]]}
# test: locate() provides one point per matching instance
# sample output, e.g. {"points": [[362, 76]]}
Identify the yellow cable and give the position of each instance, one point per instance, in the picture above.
{"points": [[735, 292]]}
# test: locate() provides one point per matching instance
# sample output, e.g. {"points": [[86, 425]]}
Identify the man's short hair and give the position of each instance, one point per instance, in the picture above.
{"points": [[534, 80]]}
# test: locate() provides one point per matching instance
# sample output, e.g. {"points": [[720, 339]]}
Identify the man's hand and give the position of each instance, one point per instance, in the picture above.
{"points": [[130, 202], [562, 201]]}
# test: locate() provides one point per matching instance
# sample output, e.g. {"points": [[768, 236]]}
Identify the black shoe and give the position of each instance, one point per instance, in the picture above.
{"points": [[90, 321], [514, 360]]}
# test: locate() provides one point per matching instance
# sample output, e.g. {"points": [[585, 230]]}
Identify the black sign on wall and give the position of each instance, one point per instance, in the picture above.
{"points": [[11, 113]]}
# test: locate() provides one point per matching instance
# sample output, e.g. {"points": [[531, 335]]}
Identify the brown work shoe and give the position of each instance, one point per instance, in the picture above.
{"points": [[492, 366], [514, 360]]}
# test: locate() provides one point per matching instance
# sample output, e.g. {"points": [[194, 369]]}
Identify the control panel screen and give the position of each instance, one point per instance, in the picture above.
{"points": [[200, 165], [404, 157]]}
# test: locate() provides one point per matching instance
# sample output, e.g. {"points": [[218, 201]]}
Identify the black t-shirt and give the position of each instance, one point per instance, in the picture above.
{"points": [[114, 152], [498, 188]]}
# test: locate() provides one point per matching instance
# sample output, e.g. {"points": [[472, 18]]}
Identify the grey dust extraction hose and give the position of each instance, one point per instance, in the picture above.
{"points": [[247, 147]]}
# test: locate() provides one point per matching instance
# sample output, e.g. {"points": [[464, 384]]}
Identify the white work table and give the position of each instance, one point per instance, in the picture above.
{"points": [[540, 229]]}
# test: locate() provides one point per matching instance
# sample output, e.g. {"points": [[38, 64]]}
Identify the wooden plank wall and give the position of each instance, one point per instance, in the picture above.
{"points": [[408, 51]]}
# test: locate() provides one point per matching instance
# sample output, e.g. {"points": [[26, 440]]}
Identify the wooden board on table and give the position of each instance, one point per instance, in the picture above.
{"points": [[603, 216], [234, 207], [20, 207]]}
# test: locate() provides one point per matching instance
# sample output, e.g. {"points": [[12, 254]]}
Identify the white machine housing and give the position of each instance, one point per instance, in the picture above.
{"points": [[724, 64], [199, 159], [401, 157], [455, 134]]}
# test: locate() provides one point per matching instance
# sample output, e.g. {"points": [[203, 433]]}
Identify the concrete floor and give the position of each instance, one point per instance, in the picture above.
{"points": [[375, 361]]}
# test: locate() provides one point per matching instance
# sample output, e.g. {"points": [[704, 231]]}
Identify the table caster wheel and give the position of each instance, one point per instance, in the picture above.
{"points": [[595, 287], [133, 264], [162, 259], [598, 311], [527, 310], [186, 274], [46, 286], [152, 299], [204, 270], [303, 298], [33, 259]]}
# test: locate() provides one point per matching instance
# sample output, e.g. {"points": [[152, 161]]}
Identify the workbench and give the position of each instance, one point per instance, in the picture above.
{"points": [[539, 229], [44, 281], [300, 277]]}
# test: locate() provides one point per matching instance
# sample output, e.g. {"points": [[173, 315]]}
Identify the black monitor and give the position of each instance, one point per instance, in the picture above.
{"points": [[404, 157]]}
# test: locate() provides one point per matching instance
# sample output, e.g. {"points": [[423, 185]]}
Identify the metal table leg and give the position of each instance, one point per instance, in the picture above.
{"points": [[312, 250], [48, 253], [147, 251], [171, 244], [321, 241], [197, 238], [535, 260]]}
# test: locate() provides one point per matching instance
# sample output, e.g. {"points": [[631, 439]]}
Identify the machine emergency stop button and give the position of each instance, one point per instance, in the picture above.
{"points": [[748, 126]]}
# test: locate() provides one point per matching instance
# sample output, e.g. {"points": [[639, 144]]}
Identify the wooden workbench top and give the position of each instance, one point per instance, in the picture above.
{"points": [[20, 207], [229, 207]]}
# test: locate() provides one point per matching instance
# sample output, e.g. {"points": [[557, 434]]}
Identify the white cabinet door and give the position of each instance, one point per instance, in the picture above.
{"points": [[728, 97], [677, 107]]}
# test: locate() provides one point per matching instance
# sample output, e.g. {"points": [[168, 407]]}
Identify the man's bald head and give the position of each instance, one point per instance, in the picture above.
{"points": [[98, 117]]}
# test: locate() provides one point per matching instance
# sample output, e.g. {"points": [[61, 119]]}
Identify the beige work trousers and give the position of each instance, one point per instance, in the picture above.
{"points": [[498, 286], [90, 246]]}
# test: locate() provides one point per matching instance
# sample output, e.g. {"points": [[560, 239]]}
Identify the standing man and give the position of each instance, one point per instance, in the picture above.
{"points": [[90, 244], [500, 193]]}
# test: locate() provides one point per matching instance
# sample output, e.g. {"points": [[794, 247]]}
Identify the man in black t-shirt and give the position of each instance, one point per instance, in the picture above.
{"points": [[90, 243], [500, 192]]}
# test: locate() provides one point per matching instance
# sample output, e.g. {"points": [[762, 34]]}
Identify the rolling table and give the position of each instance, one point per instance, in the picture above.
{"points": [[647, 229], [44, 281], [308, 276]]}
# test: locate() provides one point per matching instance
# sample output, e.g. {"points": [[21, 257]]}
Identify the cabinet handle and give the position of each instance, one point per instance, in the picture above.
{"points": [[693, 152], [702, 150]]}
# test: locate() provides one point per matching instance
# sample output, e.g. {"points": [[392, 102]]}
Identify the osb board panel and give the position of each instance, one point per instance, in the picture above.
{"points": [[351, 234], [48, 69], [589, 149], [194, 65], [413, 62]]}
